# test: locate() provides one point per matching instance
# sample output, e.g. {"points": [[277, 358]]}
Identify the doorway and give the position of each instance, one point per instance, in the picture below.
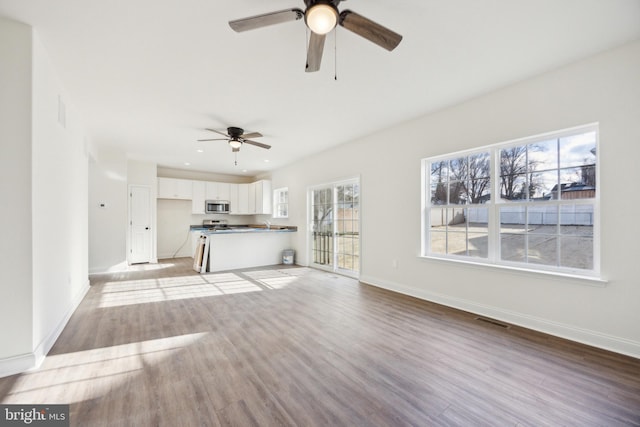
{"points": [[335, 227]]}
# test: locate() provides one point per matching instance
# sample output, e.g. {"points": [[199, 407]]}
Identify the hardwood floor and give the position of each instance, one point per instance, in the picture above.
{"points": [[294, 346]]}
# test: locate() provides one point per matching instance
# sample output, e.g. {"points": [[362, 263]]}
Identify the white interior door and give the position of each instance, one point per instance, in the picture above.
{"points": [[335, 227], [139, 224]]}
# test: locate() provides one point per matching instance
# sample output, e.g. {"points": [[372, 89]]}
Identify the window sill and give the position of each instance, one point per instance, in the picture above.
{"points": [[587, 280]]}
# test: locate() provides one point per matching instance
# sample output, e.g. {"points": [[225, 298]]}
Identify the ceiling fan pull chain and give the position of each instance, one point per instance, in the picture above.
{"points": [[335, 54]]}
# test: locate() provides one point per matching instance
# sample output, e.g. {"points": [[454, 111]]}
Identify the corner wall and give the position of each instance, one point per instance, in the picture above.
{"points": [[16, 246], [43, 275], [605, 89]]}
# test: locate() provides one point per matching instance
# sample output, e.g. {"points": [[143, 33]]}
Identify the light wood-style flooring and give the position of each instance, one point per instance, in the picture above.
{"points": [[292, 346]]}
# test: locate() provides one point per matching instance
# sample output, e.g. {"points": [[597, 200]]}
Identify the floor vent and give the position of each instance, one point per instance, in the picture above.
{"points": [[493, 322]]}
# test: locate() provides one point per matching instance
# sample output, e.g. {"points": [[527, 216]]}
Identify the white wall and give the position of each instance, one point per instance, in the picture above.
{"points": [[108, 224], [604, 89], [59, 193], [16, 247], [44, 192]]}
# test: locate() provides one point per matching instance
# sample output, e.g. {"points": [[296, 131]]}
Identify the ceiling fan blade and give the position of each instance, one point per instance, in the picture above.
{"points": [[266, 19], [314, 53], [257, 144], [370, 30], [214, 139], [251, 135], [218, 132]]}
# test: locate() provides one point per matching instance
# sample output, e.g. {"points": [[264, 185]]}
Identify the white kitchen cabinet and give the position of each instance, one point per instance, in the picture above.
{"points": [[252, 198], [239, 199], [263, 201], [172, 188], [217, 191], [197, 202], [233, 199]]}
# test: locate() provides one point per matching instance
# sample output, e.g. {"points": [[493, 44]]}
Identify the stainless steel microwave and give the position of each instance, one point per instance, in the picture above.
{"points": [[216, 206]]}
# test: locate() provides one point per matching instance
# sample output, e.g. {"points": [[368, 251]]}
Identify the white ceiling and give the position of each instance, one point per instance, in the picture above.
{"points": [[150, 76]]}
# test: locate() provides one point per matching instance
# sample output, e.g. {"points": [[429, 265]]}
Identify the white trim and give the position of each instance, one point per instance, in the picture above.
{"points": [[562, 330], [17, 364], [29, 361]]}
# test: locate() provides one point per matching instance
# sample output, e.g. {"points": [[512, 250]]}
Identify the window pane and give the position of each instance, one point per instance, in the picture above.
{"points": [[439, 171], [457, 193], [457, 242], [542, 249], [478, 244], [542, 219], [438, 242], [512, 218], [543, 155], [478, 191], [479, 166], [513, 187], [512, 247], [573, 186], [578, 150], [576, 252], [478, 219], [458, 170], [576, 215], [543, 186], [513, 168], [438, 194], [439, 219]]}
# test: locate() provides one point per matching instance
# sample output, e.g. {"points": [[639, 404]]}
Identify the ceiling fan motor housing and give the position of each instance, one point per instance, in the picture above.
{"points": [[235, 132], [310, 3]]}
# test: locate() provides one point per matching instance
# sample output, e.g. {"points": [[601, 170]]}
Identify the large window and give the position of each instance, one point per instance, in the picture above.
{"points": [[530, 203]]}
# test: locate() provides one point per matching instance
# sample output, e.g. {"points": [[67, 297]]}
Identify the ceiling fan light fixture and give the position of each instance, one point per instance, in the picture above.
{"points": [[235, 143], [321, 18]]}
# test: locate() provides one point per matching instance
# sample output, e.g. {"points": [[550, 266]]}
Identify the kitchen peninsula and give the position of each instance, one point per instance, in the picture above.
{"points": [[241, 246]]}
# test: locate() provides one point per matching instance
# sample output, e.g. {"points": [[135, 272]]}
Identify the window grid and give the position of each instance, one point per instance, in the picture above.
{"points": [[281, 203], [554, 222]]}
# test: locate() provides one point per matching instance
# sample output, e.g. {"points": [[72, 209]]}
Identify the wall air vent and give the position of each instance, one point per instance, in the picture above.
{"points": [[493, 322]]}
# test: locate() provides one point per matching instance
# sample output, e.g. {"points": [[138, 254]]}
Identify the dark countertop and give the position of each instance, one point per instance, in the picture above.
{"points": [[243, 229]]}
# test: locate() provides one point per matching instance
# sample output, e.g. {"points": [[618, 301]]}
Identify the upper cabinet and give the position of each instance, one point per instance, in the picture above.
{"points": [[172, 188], [217, 191], [262, 194], [197, 202], [245, 199]]}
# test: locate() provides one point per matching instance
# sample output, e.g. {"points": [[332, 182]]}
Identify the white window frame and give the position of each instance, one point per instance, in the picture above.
{"points": [[494, 205], [276, 202]]}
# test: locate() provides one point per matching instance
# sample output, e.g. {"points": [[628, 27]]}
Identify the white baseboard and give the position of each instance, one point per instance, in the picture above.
{"points": [[26, 362], [581, 335], [17, 364]]}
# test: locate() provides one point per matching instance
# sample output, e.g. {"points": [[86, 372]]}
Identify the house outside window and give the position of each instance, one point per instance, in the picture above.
{"points": [[531, 203], [281, 203]]}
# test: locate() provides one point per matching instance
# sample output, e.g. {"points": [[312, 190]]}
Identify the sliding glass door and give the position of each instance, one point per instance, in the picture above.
{"points": [[335, 227]]}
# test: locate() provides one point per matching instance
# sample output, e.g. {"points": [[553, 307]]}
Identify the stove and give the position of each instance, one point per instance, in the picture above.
{"points": [[215, 224]]}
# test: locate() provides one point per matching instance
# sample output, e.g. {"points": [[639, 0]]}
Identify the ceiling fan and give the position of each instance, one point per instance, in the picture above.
{"points": [[236, 137], [322, 16]]}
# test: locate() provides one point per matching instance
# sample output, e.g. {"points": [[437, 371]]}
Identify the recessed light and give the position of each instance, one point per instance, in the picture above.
{"points": [[244, 170], [187, 164], [200, 150], [266, 160]]}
